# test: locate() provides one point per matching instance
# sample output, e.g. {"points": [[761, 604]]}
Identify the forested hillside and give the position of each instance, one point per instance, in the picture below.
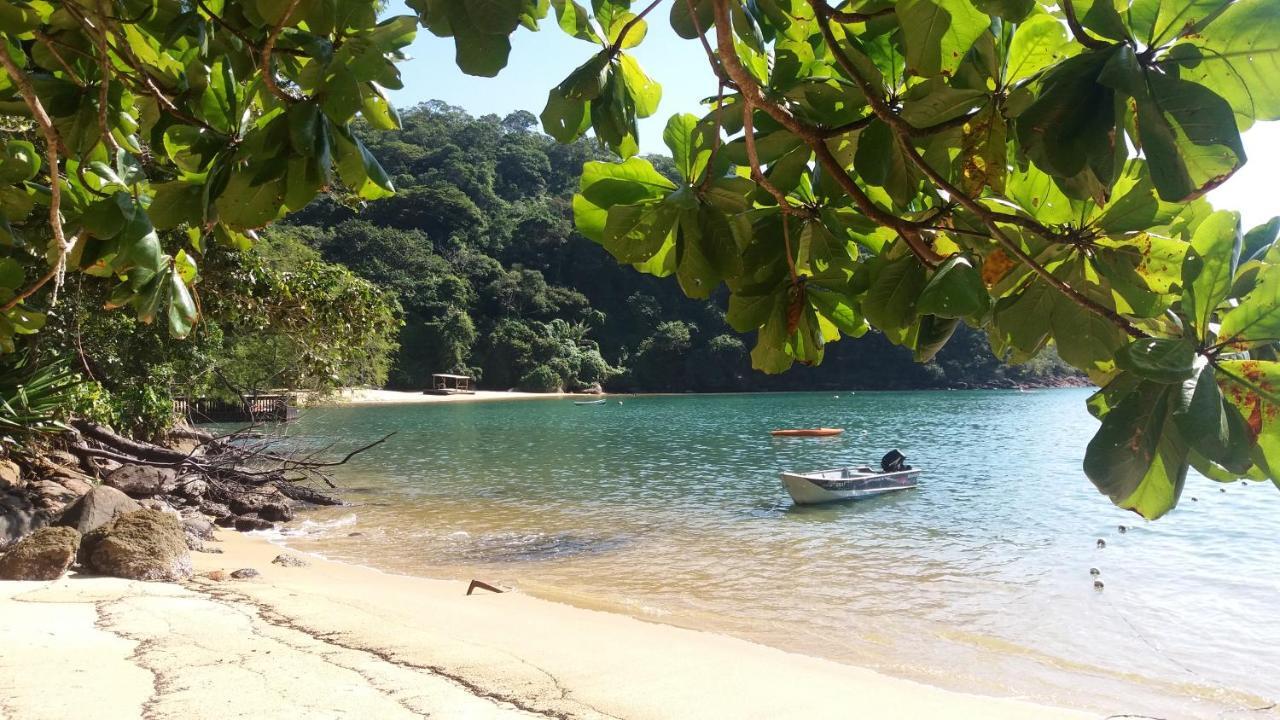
{"points": [[479, 247]]}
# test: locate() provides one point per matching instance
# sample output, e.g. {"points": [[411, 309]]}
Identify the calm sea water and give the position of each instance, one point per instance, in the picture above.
{"points": [[669, 508]]}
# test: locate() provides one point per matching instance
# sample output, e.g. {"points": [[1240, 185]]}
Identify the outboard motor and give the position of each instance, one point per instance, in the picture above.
{"points": [[894, 461]]}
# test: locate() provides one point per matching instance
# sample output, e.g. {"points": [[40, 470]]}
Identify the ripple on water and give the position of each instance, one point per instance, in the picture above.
{"points": [[978, 580]]}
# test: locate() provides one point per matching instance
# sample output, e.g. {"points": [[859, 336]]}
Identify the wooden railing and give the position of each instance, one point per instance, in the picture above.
{"points": [[256, 408]]}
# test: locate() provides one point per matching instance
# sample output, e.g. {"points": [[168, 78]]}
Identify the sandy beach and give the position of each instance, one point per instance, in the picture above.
{"points": [[333, 640], [374, 396]]}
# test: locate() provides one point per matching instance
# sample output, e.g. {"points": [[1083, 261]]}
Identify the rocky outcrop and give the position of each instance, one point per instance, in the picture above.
{"points": [[289, 561], [43, 555], [96, 508], [141, 545], [143, 481]]}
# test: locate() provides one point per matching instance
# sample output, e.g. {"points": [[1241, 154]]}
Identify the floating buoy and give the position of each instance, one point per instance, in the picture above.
{"points": [[1095, 572], [1195, 499], [1101, 543], [1124, 529], [1222, 489], [1097, 585]]}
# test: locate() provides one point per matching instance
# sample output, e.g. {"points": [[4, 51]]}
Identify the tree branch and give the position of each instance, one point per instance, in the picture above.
{"points": [[848, 18], [268, 75], [751, 92], [52, 142], [616, 47], [1082, 36], [901, 131]]}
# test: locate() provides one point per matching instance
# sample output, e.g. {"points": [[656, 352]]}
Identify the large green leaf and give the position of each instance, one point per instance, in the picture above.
{"points": [[1237, 55], [938, 33], [890, 301], [635, 233], [1187, 132], [1138, 458], [604, 185], [955, 290], [1257, 319], [1210, 267], [1159, 360], [1211, 427], [1252, 387], [1069, 129], [1037, 43]]}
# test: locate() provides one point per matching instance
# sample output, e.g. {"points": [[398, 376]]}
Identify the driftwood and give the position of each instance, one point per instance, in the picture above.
{"points": [[232, 466]]}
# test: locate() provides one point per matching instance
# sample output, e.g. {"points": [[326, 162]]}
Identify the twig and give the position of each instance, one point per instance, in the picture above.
{"points": [[616, 47], [52, 141], [268, 75]]}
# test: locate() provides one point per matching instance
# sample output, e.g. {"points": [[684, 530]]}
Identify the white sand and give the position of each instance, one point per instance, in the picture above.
{"points": [[334, 640]]}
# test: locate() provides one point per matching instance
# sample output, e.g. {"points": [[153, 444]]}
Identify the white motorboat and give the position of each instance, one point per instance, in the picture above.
{"points": [[851, 483], [601, 401]]}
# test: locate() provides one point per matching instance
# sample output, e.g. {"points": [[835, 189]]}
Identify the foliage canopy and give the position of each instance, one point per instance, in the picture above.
{"points": [[1030, 168]]}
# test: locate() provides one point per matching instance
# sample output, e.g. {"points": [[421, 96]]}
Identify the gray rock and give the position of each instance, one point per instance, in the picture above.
{"points": [[63, 458], [192, 486], [276, 511], [210, 550], [213, 509], [18, 516], [246, 523], [43, 555], [161, 505], [289, 561], [245, 573], [142, 545], [140, 481], [96, 508], [251, 502], [75, 482], [50, 495], [197, 526]]}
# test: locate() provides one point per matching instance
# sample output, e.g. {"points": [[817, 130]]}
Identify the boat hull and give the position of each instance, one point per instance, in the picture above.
{"points": [[814, 432], [845, 484]]}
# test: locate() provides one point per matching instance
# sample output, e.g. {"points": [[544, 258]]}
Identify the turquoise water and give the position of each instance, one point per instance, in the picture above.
{"points": [[669, 508]]}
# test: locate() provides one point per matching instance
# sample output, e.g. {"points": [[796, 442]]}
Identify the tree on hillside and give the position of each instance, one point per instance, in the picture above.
{"points": [[1034, 170]]}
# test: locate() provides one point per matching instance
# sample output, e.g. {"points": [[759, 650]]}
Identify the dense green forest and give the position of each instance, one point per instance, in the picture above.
{"points": [[478, 246]]}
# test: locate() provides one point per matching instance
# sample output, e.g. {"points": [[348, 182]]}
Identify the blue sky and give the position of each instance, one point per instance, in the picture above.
{"points": [[540, 60]]}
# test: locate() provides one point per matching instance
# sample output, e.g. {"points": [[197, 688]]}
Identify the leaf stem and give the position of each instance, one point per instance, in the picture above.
{"points": [[268, 74], [1082, 36]]}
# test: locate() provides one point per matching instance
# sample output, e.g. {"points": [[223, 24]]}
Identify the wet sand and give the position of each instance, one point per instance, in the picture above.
{"points": [[336, 640]]}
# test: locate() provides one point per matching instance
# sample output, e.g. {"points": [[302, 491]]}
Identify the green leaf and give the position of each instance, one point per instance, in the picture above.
{"points": [[176, 203], [604, 185], [840, 309], [358, 168], [574, 20], [690, 25], [1159, 360], [182, 309], [498, 17], [930, 335], [933, 101], [749, 311], [1252, 387], [1069, 129], [956, 290], [890, 301], [1212, 428], [1187, 132], [635, 35], [938, 33], [19, 162], [11, 274], [1257, 319], [644, 92], [1138, 458], [244, 205], [635, 233], [480, 52], [588, 80], [1210, 267], [1038, 43], [1237, 56], [565, 118]]}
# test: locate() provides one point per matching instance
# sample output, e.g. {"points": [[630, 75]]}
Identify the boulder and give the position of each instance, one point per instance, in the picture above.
{"points": [[161, 505], [226, 521], [246, 523], [10, 474], [75, 482], [213, 509], [142, 545], [192, 486], [251, 502], [18, 516], [140, 481], [43, 555], [289, 561], [276, 511], [63, 458], [97, 507], [51, 495], [245, 573], [197, 526]]}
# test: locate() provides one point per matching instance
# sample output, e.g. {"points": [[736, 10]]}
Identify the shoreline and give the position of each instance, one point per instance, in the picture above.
{"points": [[332, 636], [374, 396]]}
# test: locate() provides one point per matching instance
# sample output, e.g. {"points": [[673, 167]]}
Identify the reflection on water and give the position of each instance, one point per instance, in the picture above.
{"points": [[670, 507]]}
